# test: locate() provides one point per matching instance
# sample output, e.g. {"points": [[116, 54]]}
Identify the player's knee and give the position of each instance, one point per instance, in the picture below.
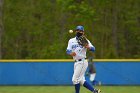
{"points": [[78, 81], [82, 82], [75, 81]]}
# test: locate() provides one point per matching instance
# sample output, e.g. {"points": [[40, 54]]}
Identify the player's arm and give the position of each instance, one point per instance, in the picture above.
{"points": [[90, 46], [69, 52], [69, 49]]}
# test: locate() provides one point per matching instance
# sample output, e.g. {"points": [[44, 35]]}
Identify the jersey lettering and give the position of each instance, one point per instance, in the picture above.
{"points": [[76, 45]]}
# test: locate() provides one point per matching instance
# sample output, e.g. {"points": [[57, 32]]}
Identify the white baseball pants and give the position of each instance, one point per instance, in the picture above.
{"points": [[79, 71]]}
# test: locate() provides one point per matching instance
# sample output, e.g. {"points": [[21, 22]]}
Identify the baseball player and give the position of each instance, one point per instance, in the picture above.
{"points": [[78, 52], [92, 72]]}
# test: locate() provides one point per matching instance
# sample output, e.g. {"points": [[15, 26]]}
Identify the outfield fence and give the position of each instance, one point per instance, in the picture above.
{"points": [[59, 72]]}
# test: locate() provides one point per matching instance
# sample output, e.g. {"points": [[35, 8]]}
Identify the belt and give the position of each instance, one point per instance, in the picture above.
{"points": [[79, 59]]}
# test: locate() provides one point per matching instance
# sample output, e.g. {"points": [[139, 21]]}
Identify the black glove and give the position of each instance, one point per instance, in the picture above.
{"points": [[82, 40]]}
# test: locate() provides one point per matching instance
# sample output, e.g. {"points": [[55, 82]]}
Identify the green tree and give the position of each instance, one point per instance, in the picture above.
{"points": [[39, 29]]}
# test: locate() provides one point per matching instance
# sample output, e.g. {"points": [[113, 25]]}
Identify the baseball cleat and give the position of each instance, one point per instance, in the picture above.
{"points": [[97, 91]]}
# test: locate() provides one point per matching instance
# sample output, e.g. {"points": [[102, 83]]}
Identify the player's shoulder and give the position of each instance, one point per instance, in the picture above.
{"points": [[72, 39]]}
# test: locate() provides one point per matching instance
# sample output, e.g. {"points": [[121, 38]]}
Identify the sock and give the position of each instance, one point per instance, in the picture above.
{"points": [[88, 86], [77, 88], [92, 76]]}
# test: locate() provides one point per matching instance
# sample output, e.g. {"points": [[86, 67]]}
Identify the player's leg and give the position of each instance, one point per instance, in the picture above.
{"points": [[92, 76], [92, 79], [78, 76], [90, 87], [84, 82], [92, 71], [77, 88], [78, 67]]}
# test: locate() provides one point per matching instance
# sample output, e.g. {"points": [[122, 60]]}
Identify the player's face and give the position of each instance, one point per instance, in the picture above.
{"points": [[79, 33]]}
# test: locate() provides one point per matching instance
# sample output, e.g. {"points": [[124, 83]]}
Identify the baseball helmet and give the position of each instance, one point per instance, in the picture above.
{"points": [[81, 28]]}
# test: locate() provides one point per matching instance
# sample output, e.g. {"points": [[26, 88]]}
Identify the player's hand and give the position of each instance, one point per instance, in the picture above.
{"points": [[87, 46], [73, 54]]}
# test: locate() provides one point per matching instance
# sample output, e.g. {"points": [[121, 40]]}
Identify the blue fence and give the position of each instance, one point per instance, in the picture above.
{"points": [[60, 73]]}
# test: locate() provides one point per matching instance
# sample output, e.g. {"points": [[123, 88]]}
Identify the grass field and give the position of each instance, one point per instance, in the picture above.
{"points": [[66, 89]]}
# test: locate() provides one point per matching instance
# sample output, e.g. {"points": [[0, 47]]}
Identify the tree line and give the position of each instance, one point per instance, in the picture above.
{"points": [[38, 29]]}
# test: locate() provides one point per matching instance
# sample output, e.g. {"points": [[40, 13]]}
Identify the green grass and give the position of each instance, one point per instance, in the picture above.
{"points": [[66, 89]]}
